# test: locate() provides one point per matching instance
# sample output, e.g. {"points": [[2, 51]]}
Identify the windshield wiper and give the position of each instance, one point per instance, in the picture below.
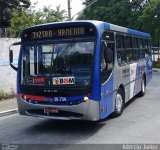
{"points": [[66, 49]]}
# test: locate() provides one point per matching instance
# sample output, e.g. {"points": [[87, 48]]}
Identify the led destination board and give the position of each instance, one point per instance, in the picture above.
{"points": [[58, 33]]}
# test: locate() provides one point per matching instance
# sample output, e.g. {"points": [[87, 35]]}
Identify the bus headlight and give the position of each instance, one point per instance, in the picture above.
{"points": [[86, 99]]}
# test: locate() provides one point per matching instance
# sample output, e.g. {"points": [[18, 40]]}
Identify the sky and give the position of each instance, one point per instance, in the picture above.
{"points": [[76, 5]]}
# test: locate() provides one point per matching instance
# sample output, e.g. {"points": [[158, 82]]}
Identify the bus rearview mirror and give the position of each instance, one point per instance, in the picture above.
{"points": [[11, 60], [11, 56]]}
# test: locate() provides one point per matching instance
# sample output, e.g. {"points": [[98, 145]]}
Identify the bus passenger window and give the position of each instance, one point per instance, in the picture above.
{"points": [[135, 42], [145, 41], [147, 53], [120, 41], [128, 41], [130, 56], [142, 54], [121, 57], [138, 55], [141, 43]]}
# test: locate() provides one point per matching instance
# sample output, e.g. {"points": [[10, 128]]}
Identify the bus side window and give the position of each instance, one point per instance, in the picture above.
{"points": [[120, 42], [121, 57], [147, 53], [130, 56]]}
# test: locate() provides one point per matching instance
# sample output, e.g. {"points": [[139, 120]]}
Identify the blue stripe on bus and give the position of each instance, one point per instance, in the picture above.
{"points": [[107, 26]]}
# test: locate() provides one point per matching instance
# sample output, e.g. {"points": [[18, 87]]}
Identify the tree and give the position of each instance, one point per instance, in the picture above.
{"points": [[48, 15], [150, 19], [29, 17], [120, 12], [6, 10]]}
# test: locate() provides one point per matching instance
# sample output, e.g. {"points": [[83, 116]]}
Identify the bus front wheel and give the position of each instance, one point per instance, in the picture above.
{"points": [[119, 103]]}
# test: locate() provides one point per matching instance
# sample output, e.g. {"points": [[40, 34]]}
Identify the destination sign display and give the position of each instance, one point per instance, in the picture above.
{"points": [[58, 33]]}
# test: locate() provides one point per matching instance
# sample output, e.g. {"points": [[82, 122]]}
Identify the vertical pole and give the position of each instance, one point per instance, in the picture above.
{"points": [[158, 44], [158, 21], [69, 9]]}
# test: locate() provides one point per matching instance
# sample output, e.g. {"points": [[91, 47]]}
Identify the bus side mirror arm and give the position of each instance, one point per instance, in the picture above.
{"points": [[11, 56], [13, 67], [11, 60]]}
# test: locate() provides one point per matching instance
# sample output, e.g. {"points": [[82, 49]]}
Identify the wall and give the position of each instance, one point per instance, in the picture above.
{"points": [[7, 74]]}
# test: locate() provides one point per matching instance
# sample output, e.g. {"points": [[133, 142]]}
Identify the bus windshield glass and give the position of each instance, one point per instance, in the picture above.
{"points": [[58, 64]]}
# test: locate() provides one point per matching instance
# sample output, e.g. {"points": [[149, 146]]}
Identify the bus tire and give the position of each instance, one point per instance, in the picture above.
{"points": [[119, 103], [143, 87]]}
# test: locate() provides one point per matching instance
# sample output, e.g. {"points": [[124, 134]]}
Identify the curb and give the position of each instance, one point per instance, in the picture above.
{"points": [[156, 69], [8, 112]]}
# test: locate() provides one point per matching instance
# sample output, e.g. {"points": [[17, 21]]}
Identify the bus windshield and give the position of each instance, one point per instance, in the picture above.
{"points": [[58, 64]]}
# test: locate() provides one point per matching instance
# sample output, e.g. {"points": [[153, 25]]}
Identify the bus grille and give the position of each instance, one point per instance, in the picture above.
{"points": [[56, 103], [60, 114]]}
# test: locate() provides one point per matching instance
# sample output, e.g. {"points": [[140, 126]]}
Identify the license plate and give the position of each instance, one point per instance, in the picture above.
{"points": [[51, 110]]}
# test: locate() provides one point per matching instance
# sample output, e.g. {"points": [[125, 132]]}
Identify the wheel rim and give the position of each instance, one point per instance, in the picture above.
{"points": [[119, 102]]}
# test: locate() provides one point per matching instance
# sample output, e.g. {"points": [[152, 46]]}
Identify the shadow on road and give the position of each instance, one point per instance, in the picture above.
{"points": [[64, 131], [67, 126]]}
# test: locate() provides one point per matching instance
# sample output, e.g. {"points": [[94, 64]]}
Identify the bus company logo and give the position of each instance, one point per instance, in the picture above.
{"points": [[63, 80]]}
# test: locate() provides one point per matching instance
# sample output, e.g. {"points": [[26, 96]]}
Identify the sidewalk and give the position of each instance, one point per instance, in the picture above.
{"points": [[156, 69], [8, 104]]}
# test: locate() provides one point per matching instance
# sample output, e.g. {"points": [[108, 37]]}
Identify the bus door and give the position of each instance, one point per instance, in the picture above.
{"points": [[106, 73]]}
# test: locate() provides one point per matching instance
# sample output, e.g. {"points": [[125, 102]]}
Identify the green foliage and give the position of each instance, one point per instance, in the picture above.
{"points": [[6, 10], [48, 15], [120, 12], [29, 17], [20, 21], [150, 19], [4, 95], [156, 64]]}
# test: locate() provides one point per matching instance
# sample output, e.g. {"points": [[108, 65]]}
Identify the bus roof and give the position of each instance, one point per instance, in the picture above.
{"points": [[97, 24]]}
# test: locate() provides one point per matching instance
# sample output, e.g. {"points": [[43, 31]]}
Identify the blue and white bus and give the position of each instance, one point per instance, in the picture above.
{"points": [[80, 69]]}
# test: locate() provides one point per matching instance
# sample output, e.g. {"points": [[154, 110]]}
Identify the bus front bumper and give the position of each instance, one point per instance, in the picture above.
{"points": [[84, 111]]}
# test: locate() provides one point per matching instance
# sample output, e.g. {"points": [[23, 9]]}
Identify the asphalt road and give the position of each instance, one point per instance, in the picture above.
{"points": [[139, 123]]}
